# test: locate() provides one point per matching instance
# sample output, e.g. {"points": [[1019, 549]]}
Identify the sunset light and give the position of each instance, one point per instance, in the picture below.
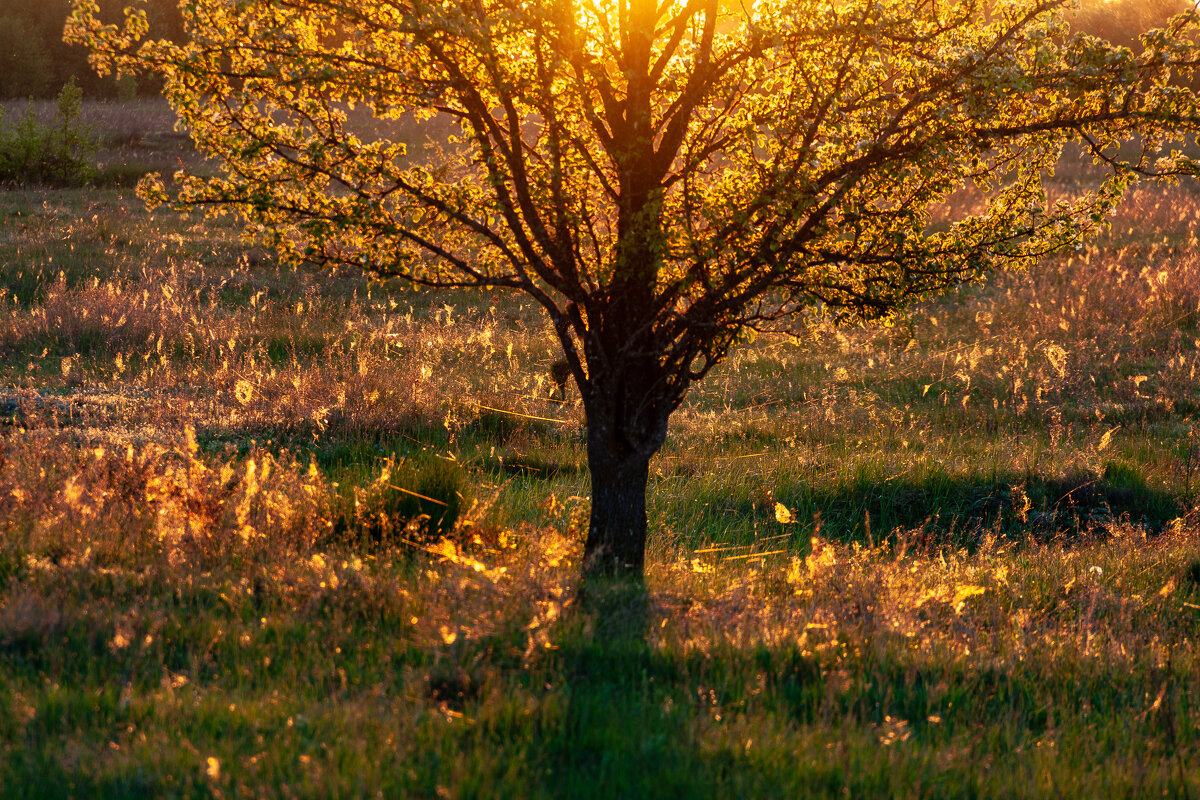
{"points": [[604, 398]]}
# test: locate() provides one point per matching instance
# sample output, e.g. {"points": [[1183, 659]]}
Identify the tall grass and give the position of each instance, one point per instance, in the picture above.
{"points": [[291, 533]]}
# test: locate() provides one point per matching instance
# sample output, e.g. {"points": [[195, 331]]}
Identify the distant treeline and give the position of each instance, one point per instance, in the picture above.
{"points": [[34, 62]]}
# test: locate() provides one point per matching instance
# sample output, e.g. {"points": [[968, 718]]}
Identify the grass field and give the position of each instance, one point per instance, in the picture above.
{"points": [[289, 533]]}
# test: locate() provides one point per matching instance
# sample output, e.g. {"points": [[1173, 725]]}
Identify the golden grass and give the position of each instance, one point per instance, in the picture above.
{"points": [[953, 557]]}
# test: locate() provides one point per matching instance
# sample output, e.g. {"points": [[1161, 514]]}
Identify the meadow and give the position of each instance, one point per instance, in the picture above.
{"points": [[275, 532]]}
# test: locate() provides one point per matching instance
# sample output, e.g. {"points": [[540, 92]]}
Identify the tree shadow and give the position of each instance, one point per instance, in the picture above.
{"points": [[629, 725], [614, 739], [645, 720]]}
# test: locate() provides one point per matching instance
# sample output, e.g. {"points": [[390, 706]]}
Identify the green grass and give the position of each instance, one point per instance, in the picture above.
{"points": [[136, 679], [217, 578]]}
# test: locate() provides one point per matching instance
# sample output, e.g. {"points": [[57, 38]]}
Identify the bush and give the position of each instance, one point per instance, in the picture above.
{"points": [[59, 154]]}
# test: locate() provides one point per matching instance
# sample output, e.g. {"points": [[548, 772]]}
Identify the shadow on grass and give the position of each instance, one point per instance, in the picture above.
{"points": [[645, 720], [619, 737], [623, 715], [957, 510], [642, 720], [943, 509], [533, 468]]}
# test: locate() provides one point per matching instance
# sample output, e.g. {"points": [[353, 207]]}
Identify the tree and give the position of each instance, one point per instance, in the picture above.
{"points": [[661, 175]]}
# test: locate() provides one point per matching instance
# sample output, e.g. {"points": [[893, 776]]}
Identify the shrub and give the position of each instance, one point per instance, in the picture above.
{"points": [[59, 154]]}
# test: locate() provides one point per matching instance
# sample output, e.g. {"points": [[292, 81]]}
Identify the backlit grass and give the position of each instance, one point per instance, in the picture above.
{"points": [[954, 557]]}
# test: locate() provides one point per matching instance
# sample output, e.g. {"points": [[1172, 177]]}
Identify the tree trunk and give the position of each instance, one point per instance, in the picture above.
{"points": [[616, 540], [629, 398]]}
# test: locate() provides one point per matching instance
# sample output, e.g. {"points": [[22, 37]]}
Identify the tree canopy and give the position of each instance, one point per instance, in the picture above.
{"points": [[662, 175]]}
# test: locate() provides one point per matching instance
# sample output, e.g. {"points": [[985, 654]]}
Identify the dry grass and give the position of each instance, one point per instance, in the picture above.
{"points": [[216, 580]]}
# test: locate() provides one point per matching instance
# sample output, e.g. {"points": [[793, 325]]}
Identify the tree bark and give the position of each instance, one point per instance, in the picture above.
{"points": [[616, 540]]}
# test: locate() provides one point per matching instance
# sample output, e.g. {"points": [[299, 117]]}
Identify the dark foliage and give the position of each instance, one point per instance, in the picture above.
{"points": [[35, 62]]}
